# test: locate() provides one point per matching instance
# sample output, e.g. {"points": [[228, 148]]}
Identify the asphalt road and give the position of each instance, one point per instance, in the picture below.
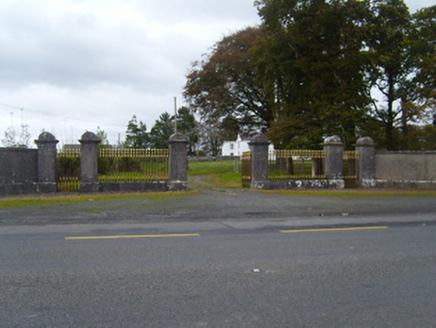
{"points": [[220, 259], [383, 277]]}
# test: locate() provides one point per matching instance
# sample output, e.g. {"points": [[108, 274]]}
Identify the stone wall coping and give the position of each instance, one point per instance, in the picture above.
{"points": [[17, 150]]}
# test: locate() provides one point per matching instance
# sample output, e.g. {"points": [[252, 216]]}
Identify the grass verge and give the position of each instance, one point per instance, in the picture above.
{"points": [[21, 201]]}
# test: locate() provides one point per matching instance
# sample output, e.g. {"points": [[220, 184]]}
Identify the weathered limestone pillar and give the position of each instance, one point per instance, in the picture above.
{"points": [[88, 162], [178, 162], [47, 160], [334, 162], [259, 161], [366, 173]]}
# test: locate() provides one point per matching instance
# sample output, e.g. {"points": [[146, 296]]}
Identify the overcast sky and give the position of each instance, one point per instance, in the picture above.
{"points": [[68, 66]]}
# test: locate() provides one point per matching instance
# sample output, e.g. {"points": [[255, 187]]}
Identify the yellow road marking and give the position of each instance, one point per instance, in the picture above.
{"points": [[334, 229], [134, 236]]}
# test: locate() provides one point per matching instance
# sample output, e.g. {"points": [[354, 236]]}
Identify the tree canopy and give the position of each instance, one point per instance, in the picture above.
{"points": [[188, 126], [162, 131], [138, 137], [225, 83], [320, 67], [311, 58], [136, 134]]}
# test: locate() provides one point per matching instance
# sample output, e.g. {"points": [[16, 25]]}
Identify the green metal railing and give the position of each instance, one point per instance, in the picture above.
{"points": [[114, 165], [296, 164], [132, 165], [68, 170], [246, 169]]}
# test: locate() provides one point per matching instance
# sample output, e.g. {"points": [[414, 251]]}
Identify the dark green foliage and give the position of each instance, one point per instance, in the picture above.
{"points": [[136, 134], [162, 131], [311, 59], [229, 128], [311, 69], [420, 138], [188, 126], [225, 84]]}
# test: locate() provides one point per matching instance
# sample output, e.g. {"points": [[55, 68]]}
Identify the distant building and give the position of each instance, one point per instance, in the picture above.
{"points": [[78, 147], [71, 147], [236, 148]]}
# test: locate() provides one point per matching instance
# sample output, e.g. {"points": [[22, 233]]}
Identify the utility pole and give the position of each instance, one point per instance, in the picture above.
{"points": [[175, 114]]}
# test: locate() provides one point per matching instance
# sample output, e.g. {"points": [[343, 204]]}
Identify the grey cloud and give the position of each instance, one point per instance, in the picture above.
{"points": [[199, 10], [74, 51]]}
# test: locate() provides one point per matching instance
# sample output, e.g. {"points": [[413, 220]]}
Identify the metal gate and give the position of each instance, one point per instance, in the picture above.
{"points": [[246, 169], [68, 169], [350, 171]]}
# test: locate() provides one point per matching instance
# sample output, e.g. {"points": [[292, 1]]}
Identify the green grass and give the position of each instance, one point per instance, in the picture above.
{"points": [[211, 167], [226, 180], [51, 199]]}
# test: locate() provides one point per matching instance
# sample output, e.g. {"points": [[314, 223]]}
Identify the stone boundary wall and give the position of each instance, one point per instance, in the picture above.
{"points": [[34, 170], [24, 171], [18, 170], [333, 165], [383, 169], [302, 184], [406, 169], [140, 186]]}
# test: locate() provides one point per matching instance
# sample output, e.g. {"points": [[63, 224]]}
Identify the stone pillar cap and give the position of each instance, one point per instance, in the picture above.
{"points": [[46, 137], [89, 137], [259, 139], [177, 137], [364, 142], [332, 141]]}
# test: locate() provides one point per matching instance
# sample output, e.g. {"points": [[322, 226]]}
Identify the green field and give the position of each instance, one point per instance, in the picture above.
{"points": [[211, 167]]}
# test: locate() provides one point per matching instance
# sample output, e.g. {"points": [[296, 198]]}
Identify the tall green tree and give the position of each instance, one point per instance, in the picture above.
{"points": [[319, 67], [392, 65], [225, 83], [402, 69], [162, 131], [136, 134], [424, 44], [311, 59], [187, 125]]}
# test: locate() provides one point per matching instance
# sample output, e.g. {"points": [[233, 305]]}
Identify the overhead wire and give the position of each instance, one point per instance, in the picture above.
{"points": [[59, 115]]}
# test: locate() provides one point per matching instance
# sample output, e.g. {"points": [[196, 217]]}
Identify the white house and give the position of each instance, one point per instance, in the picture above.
{"points": [[236, 148]]}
